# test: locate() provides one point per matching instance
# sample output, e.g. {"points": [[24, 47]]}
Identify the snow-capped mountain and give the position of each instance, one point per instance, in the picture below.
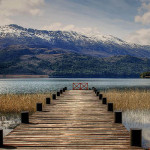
{"points": [[96, 45], [69, 54], [18, 31]]}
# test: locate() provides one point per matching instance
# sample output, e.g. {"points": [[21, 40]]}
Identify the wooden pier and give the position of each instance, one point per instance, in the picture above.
{"points": [[75, 120]]}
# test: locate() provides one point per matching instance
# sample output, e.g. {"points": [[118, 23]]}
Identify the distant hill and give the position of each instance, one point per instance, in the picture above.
{"points": [[145, 75], [24, 76], [74, 65], [69, 54]]}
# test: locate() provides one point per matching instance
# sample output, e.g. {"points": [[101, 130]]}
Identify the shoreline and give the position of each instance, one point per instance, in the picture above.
{"points": [[23, 76], [63, 77]]}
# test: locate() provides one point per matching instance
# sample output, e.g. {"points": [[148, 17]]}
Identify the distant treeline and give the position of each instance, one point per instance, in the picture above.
{"points": [[145, 75], [24, 76]]}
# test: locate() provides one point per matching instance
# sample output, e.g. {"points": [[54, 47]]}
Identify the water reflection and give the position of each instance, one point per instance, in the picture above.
{"points": [[44, 85], [139, 119]]}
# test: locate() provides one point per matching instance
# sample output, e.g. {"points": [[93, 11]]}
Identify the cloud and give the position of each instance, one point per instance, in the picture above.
{"points": [[55, 26], [141, 36], [145, 19], [5, 20], [144, 13], [59, 26], [10, 8]]}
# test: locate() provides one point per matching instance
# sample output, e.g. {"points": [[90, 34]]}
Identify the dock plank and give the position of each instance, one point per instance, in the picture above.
{"points": [[75, 120]]}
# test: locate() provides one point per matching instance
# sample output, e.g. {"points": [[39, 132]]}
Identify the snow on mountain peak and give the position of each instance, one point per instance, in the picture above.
{"points": [[12, 30], [17, 31]]}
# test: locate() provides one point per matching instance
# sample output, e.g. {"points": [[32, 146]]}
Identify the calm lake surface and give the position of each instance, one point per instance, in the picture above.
{"points": [[43, 85], [131, 119]]}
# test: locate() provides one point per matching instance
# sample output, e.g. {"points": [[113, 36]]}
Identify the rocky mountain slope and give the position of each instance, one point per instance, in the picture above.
{"points": [[69, 54], [97, 45]]}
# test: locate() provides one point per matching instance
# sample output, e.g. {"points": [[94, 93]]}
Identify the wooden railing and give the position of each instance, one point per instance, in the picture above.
{"points": [[80, 86]]}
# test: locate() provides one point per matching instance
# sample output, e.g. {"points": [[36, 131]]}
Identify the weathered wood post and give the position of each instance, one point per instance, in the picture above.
{"points": [[58, 93], [48, 100], [97, 93], [104, 101], [25, 117], [61, 91], [1, 137], [100, 96], [136, 137], [38, 106], [110, 107], [118, 116], [54, 96], [94, 89]]}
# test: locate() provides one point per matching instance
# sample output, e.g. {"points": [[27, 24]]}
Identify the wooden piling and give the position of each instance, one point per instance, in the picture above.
{"points": [[104, 101], [48, 100], [38, 106], [61, 91], [118, 116], [110, 107], [25, 117], [54, 96], [1, 137], [136, 137], [58, 93], [97, 93], [94, 90], [100, 96]]}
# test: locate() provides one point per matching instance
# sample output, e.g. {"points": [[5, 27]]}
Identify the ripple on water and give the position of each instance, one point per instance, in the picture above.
{"points": [[139, 119], [9, 122]]}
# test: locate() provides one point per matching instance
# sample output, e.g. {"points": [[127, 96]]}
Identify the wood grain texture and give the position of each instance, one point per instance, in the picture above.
{"points": [[76, 120]]}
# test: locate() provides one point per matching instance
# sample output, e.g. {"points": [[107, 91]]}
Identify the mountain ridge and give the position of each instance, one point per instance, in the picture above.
{"points": [[102, 47], [69, 54]]}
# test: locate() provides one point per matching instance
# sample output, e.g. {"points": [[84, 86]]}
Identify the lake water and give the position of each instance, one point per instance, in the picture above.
{"points": [[131, 119], [44, 85]]}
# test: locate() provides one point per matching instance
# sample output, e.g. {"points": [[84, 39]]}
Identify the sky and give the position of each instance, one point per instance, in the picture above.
{"points": [[125, 19]]}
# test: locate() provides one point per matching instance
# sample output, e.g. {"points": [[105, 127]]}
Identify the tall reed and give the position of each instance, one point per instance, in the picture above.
{"points": [[15, 103], [129, 99]]}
